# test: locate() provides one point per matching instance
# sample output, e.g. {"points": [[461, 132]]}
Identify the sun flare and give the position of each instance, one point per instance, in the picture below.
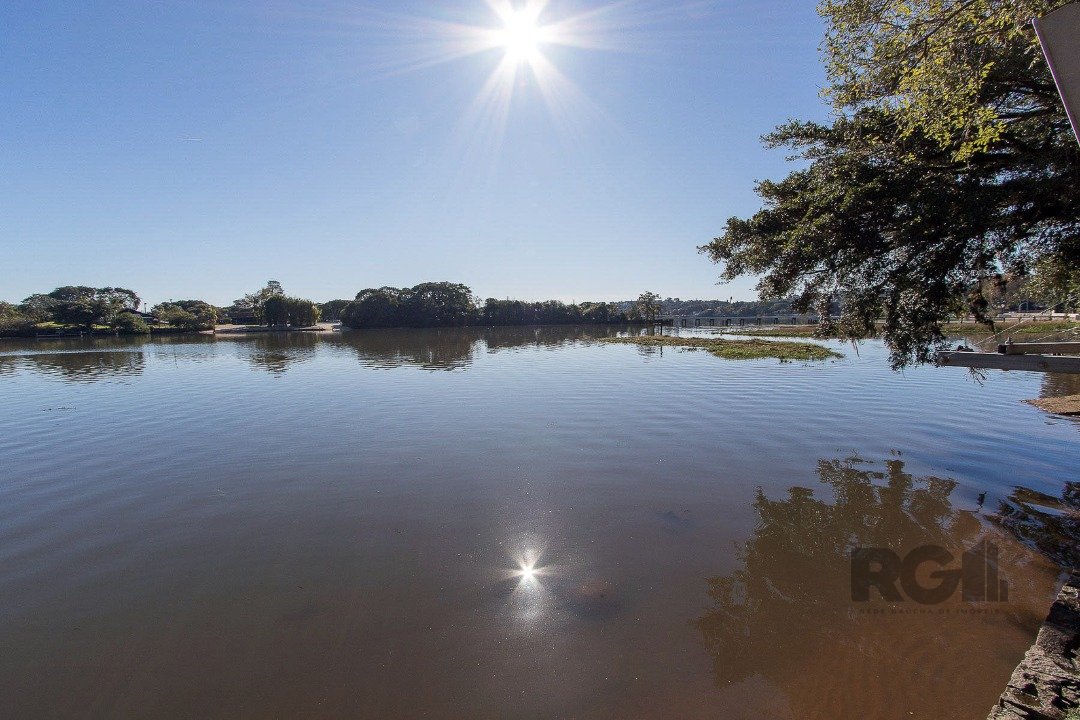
{"points": [[527, 572], [525, 38], [521, 35]]}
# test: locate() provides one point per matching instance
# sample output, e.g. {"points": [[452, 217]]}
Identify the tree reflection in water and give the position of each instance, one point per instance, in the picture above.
{"points": [[277, 352], [786, 614], [98, 359], [1048, 523], [1058, 384], [87, 361], [456, 348], [429, 348], [92, 359], [545, 336]]}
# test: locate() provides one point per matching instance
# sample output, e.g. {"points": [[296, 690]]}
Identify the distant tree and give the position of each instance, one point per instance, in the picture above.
{"points": [[451, 304], [331, 311], [206, 313], [375, 308], [1055, 285], [281, 310], [187, 314], [130, 323], [502, 312], [554, 312], [81, 305], [435, 304], [15, 322], [302, 313], [39, 307], [253, 303], [275, 310], [648, 306], [119, 298], [602, 313], [438, 304]]}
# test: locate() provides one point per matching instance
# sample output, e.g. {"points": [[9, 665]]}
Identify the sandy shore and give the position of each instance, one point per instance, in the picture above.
{"points": [[243, 329], [1064, 405]]}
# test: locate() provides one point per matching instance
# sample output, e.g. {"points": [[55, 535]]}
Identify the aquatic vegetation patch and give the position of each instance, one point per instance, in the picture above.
{"points": [[748, 349]]}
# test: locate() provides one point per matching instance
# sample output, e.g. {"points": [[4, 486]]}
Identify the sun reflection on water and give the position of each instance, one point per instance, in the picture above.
{"points": [[530, 600]]}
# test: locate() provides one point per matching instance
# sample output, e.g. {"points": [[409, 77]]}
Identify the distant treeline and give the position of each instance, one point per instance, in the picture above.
{"points": [[432, 304], [117, 310], [724, 308], [445, 304], [97, 310]]}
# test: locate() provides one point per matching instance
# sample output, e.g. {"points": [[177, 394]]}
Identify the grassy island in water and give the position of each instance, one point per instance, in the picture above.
{"points": [[748, 349]]}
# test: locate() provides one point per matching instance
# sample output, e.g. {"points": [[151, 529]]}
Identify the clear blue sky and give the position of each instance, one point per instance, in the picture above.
{"points": [[198, 148]]}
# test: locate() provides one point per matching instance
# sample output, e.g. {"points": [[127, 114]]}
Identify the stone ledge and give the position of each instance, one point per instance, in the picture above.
{"points": [[1046, 684]]}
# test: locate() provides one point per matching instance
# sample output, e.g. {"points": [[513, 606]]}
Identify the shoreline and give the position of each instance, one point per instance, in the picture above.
{"points": [[256, 329], [1044, 685]]}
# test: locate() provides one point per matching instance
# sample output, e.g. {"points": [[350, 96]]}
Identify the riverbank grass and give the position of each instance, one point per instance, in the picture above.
{"points": [[749, 349]]}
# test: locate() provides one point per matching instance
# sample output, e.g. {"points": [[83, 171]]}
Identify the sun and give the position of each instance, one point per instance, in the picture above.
{"points": [[521, 35]]}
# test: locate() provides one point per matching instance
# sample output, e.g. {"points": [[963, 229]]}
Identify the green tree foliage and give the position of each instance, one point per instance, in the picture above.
{"points": [[14, 322], [374, 308], [451, 304], [504, 312], [602, 313], [724, 308], [967, 74], [114, 298], [130, 323], [549, 312], [949, 169], [187, 314], [436, 304], [1055, 285], [331, 311], [275, 310], [648, 306], [281, 310], [251, 305], [80, 305], [303, 313], [38, 307]]}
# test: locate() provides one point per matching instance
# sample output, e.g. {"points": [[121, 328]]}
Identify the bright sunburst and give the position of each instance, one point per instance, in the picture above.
{"points": [[528, 36], [521, 35]]}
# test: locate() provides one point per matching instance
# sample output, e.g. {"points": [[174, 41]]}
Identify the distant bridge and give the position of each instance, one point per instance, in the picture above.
{"points": [[735, 321]]}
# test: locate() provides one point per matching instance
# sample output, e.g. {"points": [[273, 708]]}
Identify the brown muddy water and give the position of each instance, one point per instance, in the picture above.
{"points": [[335, 526]]}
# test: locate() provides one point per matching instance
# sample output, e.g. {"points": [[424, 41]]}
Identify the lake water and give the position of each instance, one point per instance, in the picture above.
{"points": [[334, 526]]}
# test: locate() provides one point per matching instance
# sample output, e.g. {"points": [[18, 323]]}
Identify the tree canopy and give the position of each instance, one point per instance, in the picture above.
{"points": [[284, 310], [444, 304], [648, 306], [252, 303], [331, 310], [432, 304], [80, 305], [949, 168], [187, 314]]}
